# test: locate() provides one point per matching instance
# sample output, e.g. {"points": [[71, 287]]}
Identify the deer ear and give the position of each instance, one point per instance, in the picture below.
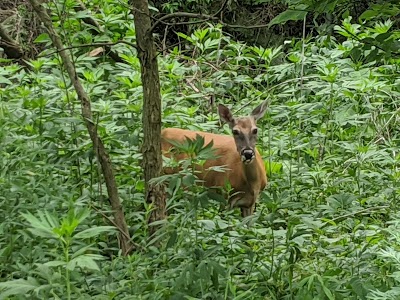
{"points": [[225, 114], [260, 110]]}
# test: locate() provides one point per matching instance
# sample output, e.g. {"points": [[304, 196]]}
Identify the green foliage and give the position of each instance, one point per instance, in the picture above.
{"points": [[70, 254], [288, 15], [327, 10], [325, 228], [389, 259], [370, 44]]}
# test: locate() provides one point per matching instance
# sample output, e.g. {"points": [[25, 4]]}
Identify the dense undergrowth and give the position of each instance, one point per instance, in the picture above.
{"points": [[325, 228]]}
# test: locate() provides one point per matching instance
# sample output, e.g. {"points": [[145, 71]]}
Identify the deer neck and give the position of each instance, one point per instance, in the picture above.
{"points": [[250, 172]]}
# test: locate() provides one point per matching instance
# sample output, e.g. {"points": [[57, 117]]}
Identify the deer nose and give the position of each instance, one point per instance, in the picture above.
{"points": [[247, 154]]}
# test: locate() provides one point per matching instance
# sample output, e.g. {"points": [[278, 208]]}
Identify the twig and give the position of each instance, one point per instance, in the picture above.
{"points": [[302, 54], [89, 45], [221, 8], [180, 15], [212, 66], [194, 88], [10, 46], [164, 41], [203, 18], [135, 245]]}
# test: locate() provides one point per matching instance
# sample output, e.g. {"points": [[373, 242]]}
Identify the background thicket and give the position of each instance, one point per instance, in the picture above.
{"points": [[327, 225]]}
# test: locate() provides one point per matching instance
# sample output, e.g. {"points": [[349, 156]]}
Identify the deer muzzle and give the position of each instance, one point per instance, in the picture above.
{"points": [[248, 155]]}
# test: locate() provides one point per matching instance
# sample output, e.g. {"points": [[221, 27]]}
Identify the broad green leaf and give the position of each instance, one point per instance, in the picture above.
{"points": [[4, 80], [208, 224], [43, 38], [17, 287], [39, 227], [369, 14], [327, 292], [91, 232], [55, 263], [83, 14], [86, 261], [288, 15]]}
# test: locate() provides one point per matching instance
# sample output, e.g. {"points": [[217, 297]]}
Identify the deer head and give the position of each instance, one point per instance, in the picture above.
{"points": [[244, 130]]}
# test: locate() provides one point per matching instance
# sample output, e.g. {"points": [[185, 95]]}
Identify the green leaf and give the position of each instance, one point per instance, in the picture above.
{"points": [[39, 226], [273, 167], [214, 279], [188, 180], [91, 232], [55, 263], [86, 261], [17, 287], [288, 15], [369, 14], [82, 14], [81, 251], [216, 196], [327, 292], [208, 224], [4, 80], [172, 239], [43, 38], [217, 268]]}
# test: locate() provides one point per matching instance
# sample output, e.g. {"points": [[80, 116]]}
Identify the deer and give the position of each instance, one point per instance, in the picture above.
{"points": [[244, 166]]}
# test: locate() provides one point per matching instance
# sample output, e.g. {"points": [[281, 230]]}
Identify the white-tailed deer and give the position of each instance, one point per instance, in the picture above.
{"points": [[245, 170]]}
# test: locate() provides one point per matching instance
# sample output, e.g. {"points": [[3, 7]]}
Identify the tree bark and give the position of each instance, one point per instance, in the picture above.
{"points": [[151, 149], [101, 153]]}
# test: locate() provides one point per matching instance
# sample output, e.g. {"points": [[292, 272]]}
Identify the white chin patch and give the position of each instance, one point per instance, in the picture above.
{"points": [[247, 161]]}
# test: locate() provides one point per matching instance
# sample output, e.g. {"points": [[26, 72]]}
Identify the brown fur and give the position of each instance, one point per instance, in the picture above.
{"points": [[247, 180]]}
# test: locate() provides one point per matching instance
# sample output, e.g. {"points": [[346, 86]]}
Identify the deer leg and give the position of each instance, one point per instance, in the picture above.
{"points": [[248, 204], [247, 211]]}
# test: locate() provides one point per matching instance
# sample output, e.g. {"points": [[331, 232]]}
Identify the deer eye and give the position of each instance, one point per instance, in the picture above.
{"points": [[255, 131], [235, 132]]}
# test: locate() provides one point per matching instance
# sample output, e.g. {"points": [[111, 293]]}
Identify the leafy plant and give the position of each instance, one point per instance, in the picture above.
{"points": [[66, 255], [323, 229]]}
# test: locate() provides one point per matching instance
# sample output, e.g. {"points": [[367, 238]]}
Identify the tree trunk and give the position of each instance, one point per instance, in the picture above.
{"points": [[151, 149]]}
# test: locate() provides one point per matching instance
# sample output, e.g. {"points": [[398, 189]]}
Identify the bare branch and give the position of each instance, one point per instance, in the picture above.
{"points": [[111, 221], [10, 46], [221, 8], [90, 45], [181, 15], [203, 18]]}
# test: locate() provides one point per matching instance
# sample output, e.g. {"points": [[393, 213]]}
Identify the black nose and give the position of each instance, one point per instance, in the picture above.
{"points": [[248, 153]]}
